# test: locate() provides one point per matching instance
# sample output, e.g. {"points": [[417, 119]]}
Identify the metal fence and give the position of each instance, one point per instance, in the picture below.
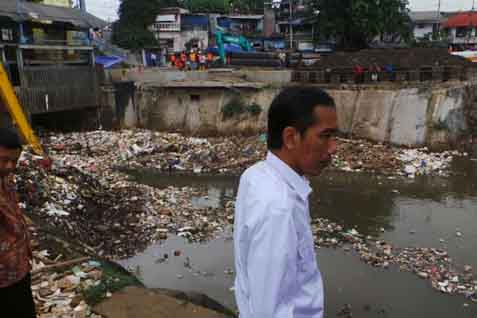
{"points": [[347, 75], [51, 89]]}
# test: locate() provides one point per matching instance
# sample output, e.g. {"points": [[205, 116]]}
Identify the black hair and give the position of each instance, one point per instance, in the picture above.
{"points": [[294, 107], [9, 139]]}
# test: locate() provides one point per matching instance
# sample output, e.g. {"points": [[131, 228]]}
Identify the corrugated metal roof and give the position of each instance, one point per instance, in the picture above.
{"points": [[464, 19], [27, 11], [425, 16], [247, 17]]}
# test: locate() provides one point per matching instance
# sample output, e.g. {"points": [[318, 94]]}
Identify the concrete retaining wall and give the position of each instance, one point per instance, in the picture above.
{"points": [[408, 116]]}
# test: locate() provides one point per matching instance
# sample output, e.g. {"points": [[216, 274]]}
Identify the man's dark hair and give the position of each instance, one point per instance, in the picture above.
{"points": [[9, 139], [294, 107]]}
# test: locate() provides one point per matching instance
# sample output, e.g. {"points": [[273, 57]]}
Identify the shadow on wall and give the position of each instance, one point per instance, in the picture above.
{"points": [[124, 100], [67, 121]]}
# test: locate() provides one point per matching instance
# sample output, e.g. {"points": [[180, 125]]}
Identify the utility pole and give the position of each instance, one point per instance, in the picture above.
{"points": [[82, 5], [290, 8], [438, 19]]}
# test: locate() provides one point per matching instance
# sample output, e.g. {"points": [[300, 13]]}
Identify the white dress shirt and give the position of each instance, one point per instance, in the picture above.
{"points": [[275, 261]]}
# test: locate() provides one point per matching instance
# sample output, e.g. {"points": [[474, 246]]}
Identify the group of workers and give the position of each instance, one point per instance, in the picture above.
{"points": [[194, 60], [375, 70]]}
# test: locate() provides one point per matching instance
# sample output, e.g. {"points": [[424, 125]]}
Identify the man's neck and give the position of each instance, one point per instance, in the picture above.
{"points": [[286, 158]]}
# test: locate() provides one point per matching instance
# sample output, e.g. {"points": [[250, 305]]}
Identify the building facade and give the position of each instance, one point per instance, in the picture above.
{"points": [[48, 54], [461, 29], [426, 24], [178, 30]]}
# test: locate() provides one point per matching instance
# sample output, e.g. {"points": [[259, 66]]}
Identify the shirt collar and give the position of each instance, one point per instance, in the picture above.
{"points": [[300, 184]]}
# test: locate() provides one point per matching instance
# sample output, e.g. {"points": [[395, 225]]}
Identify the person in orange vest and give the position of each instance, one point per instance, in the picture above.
{"points": [[178, 64], [183, 60], [202, 61], [210, 59], [173, 59], [193, 60]]}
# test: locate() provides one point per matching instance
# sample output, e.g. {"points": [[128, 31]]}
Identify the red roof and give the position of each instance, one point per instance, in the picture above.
{"points": [[463, 19]]}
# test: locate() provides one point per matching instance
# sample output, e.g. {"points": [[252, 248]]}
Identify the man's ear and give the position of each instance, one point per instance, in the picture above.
{"points": [[290, 138]]}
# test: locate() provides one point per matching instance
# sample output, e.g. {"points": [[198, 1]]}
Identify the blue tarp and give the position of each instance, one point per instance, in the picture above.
{"points": [[224, 22], [108, 61], [228, 47], [201, 20]]}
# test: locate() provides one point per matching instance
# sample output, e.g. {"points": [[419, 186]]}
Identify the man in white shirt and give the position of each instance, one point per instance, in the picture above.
{"points": [[277, 273]]}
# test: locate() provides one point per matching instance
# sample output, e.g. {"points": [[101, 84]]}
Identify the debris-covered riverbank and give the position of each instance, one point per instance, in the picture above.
{"points": [[87, 199]]}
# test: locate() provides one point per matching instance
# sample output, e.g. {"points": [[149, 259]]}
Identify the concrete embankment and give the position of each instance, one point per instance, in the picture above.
{"points": [[423, 114]]}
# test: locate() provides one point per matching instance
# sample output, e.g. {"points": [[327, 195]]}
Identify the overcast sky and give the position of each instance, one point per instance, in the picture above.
{"points": [[107, 9]]}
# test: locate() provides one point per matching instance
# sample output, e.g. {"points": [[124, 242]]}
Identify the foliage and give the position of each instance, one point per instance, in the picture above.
{"points": [[131, 31], [217, 6], [254, 109], [356, 23], [114, 279], [207, 6], [235, 106], [247, 6]]}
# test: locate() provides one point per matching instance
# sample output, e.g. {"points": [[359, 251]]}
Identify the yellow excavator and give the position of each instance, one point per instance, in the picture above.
{"points": [[10, 100]]}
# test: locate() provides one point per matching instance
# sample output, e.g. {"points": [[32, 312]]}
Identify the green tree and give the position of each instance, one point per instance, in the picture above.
{"points": [[247, 6], [131, 31], [207, 6], [355, 23]]}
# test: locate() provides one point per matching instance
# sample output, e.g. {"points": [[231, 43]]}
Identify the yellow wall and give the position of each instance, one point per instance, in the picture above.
{"points": [[62, 3]]}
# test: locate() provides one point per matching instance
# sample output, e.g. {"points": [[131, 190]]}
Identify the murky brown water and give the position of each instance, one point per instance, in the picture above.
{"points": [[432, 209]]}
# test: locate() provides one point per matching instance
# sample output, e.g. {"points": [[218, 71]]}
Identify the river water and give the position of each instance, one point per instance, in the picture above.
{"points": [[424, 212]]}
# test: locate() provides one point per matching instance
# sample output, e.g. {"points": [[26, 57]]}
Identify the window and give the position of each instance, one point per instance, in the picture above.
{"points": [[461, 32], [195, 98], [7, 35]]}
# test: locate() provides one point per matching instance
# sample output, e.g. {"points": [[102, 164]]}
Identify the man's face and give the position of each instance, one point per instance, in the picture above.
{"points": [[317, 145], [8, 161]]}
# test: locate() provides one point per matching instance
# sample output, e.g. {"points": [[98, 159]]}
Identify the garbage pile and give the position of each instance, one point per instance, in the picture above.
{"points": [[88, 199], [111, 215], [100, 152], [421, 162], [431, 264], [365, 156], [57, 285]]}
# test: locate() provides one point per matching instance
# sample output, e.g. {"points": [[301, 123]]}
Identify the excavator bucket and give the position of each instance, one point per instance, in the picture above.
{"points": [[7, 93]]}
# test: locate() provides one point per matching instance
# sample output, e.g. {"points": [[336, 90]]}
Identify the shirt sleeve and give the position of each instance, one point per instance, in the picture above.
{"points": [[271, 265]]}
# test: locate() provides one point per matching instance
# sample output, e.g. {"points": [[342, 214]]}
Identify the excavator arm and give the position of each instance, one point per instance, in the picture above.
{"points": [[13, 106], [222, 38]]}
